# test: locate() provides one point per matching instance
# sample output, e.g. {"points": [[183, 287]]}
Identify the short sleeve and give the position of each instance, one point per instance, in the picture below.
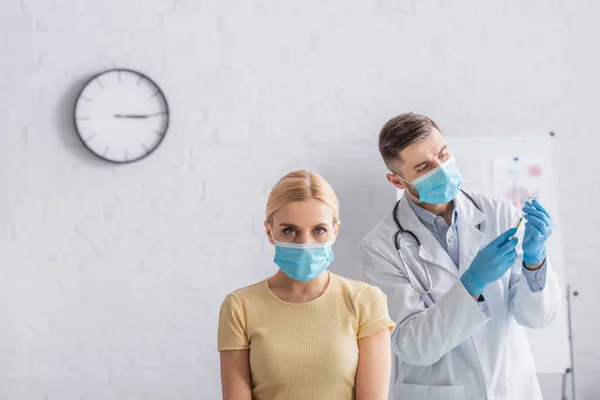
{"points": [[232, 326], [372, 312]]}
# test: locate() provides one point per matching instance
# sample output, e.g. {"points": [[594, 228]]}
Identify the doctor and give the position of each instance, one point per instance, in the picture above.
{"points": [[459, 287]]}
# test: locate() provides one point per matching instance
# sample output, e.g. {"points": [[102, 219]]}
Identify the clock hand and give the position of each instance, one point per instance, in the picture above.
{"points": [[138, 116], [130, 116]]}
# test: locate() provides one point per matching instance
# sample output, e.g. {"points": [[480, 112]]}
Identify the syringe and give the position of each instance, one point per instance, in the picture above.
{"points": [[534, 195]]}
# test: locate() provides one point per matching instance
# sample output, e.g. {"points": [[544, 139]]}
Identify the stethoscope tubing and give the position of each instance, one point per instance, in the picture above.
{"points": [[426, 290]]}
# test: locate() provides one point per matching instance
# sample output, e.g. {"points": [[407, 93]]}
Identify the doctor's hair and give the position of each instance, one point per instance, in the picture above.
{"points": [[402, 131], [299, 186]]}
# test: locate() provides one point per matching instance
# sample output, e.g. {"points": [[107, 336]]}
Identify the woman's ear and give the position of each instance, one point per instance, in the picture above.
{"points": [[269, 233], [336, 230]]}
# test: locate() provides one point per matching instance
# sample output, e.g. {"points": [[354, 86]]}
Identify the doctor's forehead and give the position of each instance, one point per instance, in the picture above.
{"points": [[425, 149]]}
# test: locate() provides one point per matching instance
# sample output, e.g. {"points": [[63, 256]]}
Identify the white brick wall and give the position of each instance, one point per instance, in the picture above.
{"points": [[111, 276]]}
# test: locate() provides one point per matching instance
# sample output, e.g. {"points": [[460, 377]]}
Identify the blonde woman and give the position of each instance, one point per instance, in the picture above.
{"points": [[304, 333]]}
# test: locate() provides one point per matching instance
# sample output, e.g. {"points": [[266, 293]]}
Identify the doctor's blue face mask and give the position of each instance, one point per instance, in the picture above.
{"points": [[440, 185], [303, 261]]}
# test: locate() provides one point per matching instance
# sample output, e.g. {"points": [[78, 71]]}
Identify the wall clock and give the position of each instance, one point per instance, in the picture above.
{"points": [[121, 115]]}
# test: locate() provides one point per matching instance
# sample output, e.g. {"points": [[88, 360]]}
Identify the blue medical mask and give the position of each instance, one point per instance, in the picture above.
{"points": [[303, 261], [440, 185]]}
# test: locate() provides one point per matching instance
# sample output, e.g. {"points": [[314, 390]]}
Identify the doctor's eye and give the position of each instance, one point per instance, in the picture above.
{"points": [[422, 168], [289, 231]]}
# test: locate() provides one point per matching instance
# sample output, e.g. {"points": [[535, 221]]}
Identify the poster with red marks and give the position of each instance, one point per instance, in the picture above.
{"points": [[517, 178]]}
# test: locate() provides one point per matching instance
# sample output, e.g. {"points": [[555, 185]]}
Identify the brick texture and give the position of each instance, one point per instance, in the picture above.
{"points": [[111, 276]]}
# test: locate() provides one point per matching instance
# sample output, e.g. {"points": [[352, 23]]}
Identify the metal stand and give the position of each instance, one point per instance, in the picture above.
{"points": [[572, 369]]}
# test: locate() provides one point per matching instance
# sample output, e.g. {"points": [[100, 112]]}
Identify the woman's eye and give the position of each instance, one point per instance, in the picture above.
{"points": [[320, 231], [289, 231]]}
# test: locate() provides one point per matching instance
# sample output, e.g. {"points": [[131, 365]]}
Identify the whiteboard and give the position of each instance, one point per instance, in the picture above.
{"points": [[478, 159]]}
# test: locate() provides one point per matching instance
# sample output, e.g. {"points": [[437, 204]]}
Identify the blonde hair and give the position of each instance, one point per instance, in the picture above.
{"points": [[300, 186]]}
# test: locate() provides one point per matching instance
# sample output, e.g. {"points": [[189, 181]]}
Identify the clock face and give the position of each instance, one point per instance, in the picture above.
{"points": [[121, 115]]}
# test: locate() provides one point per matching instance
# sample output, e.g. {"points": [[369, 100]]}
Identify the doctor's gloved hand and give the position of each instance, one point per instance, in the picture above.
{"points": [[491, 263], [537, 230]]}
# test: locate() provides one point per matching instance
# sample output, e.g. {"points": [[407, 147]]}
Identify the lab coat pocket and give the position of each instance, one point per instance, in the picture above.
{"points": [[425, 392]]}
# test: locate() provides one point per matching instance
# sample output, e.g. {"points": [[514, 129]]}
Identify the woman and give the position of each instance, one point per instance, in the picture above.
{"points": [[304, 333]]}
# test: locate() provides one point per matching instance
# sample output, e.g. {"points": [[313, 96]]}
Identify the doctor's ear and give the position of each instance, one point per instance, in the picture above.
{"points": [[396, 181]]}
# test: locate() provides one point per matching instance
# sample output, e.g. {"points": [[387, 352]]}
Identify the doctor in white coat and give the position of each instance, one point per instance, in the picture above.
{"points": [[460, 288]]}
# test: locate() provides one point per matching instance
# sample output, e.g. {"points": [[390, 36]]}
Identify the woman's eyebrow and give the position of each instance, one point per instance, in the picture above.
{"points": [[289, 225]]}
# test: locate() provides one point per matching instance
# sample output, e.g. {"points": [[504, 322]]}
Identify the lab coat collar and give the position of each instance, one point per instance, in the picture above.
{"points": [[470, 238], [429, 218]]}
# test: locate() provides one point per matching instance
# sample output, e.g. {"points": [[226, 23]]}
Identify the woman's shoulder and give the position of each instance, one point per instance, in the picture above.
{"points": [[369, 305], [355, 288], [247, 292]]}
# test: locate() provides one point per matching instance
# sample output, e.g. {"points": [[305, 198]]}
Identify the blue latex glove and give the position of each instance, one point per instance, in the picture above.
{"points": [[537, 230], [491, 263]]}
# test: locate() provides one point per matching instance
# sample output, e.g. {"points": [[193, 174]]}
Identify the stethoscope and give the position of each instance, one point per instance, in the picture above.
{"points": [[401, 231]]}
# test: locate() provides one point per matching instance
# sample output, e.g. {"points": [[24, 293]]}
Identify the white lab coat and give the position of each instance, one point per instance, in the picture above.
{"points": [[455, 347]]}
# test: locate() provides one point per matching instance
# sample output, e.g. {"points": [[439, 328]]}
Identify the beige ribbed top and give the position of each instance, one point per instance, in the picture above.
{"points": [[303, 351]]}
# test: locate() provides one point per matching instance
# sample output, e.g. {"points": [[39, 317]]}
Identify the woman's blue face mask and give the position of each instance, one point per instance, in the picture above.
{"points": [[440, 185], [303, 261]]}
